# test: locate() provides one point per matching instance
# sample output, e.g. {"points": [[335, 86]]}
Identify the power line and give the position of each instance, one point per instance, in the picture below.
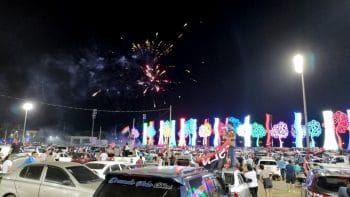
{"points": [[86, 109]]}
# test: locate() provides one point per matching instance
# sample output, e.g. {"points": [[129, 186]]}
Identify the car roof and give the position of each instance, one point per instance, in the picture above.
{"points": [[165, 171], [341, 172], [104, 162], [59, 164]]}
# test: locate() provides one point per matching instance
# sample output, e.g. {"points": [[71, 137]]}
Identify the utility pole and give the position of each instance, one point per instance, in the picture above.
{"points": [[94, 113]]}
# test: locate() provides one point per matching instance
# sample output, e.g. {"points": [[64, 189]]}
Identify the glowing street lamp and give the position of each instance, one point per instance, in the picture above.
{"points": [[27, 107], [298, 62]]}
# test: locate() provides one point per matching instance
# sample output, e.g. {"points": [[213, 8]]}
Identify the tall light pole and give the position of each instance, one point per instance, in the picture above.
{"points": [[298, 62], [94, 113], [26, 107]]}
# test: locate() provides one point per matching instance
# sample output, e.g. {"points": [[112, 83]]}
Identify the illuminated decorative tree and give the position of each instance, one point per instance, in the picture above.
{"points": [[297, 129], [134, 134], [205, 131], [268, 119], [182, 136], [315, 130], [235, 122], [245, 130], [151, 133], [279, 131], [191, 131], [348, 112], [330, 142], [341, 124], [216, 141], [258, 132], [166, 127], [293, 132]]}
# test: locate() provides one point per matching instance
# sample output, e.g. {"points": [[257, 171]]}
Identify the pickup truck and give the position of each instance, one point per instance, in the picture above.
{"points": [[130, 160]]}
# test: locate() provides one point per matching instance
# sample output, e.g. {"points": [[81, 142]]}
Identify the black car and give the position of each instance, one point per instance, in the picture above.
{"points": [[166, 181]]}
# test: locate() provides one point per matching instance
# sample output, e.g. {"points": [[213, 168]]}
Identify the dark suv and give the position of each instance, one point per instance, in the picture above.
{"points": [[167, 181]]}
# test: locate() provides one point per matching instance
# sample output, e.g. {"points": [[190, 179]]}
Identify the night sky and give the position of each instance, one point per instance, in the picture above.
{"points": [[238, 54]]}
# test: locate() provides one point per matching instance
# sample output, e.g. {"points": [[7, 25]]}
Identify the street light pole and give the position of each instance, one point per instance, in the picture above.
{"points": [[305, 112], [94, 113], [298, 62], [26, 107]]}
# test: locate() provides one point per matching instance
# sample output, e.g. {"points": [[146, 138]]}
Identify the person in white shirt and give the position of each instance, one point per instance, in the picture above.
{"points": [[253, 184], [6, 166], [103, 156]]}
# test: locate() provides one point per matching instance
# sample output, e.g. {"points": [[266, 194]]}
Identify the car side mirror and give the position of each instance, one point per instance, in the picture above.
{"points": [[67, 182]]}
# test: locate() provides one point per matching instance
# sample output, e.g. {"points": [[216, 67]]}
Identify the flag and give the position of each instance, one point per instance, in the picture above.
{"points": [[125, 130]]}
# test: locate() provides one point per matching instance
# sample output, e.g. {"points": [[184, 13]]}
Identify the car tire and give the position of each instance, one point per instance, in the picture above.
{"points": [[10, 195]]}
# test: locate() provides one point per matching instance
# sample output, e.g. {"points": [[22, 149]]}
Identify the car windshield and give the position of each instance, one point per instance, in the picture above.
{"points": [[269, 163], [331, 183], [136, 188], [95, 166], [82, 174]]}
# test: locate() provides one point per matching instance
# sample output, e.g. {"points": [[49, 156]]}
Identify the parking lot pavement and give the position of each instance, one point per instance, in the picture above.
{"points": [[279, 189]]}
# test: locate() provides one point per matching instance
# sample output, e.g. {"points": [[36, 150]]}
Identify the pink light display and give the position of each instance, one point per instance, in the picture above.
{"points": [[341, 124], [280, 131]]}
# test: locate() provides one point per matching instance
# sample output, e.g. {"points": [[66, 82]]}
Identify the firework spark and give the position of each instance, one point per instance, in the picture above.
{"points": [[154, 79]]}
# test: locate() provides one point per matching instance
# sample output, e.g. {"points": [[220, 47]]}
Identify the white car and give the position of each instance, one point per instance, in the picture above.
{"points": [[63, 157], [237, 184], [101, 168], [54, 179], [269, 164]]}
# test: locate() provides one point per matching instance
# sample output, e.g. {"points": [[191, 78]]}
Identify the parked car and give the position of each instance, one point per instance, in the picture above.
{"points": [[103, 167], [269, 164], [236, 182], [166, 181], [63, 157], [325, 182], [54, 179]]}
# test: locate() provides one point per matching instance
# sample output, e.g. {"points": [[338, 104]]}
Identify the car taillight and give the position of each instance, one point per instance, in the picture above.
{"points": [[313, 193], [235, 194]]}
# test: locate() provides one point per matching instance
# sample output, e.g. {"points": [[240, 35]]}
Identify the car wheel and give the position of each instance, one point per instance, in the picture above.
{"points": [[10, 195]]}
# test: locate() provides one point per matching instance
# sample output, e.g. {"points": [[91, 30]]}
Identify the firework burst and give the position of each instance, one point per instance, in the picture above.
{"points": [[154, 79]]}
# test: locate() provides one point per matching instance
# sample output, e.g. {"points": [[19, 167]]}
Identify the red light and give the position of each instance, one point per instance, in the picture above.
{"points": [[235, 194]]}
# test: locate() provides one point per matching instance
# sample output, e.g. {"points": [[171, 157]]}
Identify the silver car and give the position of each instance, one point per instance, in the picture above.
{"points": [[236, 182], [54, 179]]}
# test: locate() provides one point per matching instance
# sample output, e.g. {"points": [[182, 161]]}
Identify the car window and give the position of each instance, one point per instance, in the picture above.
{"points": [[198, 187], [56, 175], [137, 186], [115, 168], [270, 163], [331, 183], [32, 172], [82, 174], [96, 166]]}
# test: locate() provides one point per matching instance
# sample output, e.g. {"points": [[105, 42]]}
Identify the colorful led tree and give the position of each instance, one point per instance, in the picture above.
{"points": [[182, 138], [205, 131], [279, 131], [298, 130], [166, 130], [216, 141], [161, 133], [341, 124], [151, 132], [293, 132], [234, 121], [258, 132], [172, 134], [191, 129], [268, 123], [348, 112], [134, 134], [330, 143], [245, 131], [144, 133], [315, 130]]}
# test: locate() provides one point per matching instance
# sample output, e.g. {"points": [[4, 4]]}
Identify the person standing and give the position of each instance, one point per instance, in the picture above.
{"points": [[139, 162], [253, 184], [290, 175], [103, 156], [266, 178], [281, 164], [231, 137]]}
